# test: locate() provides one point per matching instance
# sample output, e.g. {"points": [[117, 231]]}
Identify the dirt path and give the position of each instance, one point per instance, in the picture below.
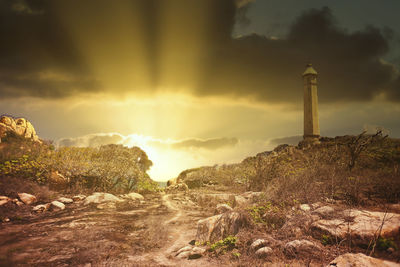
{"points": [[132, 235], [181, 229]]}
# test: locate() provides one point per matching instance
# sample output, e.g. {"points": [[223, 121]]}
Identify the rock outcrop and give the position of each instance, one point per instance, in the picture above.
{"points": [[362, 225], [359, 259], [20, 126], [220, 226]]}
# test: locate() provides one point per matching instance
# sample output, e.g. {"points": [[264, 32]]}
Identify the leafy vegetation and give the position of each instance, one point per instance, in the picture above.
{"points": [[228, 243], [111, 168]]}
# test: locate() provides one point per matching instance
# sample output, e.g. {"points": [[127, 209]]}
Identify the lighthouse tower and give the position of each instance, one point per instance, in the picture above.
{"points": [[311, 121]]}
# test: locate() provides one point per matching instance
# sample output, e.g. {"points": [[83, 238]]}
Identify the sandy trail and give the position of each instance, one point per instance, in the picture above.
{"points": [[181, 230]]}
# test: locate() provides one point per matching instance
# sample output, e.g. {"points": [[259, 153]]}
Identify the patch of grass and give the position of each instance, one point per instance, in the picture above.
{"points": [[228, 243]]}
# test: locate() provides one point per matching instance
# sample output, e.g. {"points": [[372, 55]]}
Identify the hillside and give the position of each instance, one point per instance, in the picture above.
{"points": [[335, 203]]}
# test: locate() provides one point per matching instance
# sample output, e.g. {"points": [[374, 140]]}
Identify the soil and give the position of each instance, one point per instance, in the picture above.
{"points": [[133, 234]]}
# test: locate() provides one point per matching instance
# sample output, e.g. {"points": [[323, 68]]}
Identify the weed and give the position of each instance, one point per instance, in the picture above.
{"points": [[228, 243]]}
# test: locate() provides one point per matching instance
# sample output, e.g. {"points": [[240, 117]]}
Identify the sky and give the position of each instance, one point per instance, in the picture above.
{"points": [[193, 82]]}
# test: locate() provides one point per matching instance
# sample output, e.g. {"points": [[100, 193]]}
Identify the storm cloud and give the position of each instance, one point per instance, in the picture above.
{"points": [[57, 49]]}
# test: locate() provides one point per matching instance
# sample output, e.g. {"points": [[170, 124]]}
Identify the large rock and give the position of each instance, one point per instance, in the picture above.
{"points": [[98, 198], [360, 224], [20, 126], [220, 226], [350, 259], [264, 252], [259, 243], [27, 198]]}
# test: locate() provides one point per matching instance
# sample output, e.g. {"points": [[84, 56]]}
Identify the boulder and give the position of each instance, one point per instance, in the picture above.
{"points": [[297, 247], [20, 126], [133, 196], [27, 198], [362, 225], [57, 205], [359, 259], [98, 198], [41, 207], [264, 252], [65, 200], [222, 208], [220, 226], [259, 243]]}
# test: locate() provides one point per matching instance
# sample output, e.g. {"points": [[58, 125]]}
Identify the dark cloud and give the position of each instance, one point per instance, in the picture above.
{"points": [[62, 48], [91, 140], [210, 144]]}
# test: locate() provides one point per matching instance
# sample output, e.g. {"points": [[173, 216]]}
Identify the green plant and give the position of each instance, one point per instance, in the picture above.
{"points": [[236, 254], [326, 239], [225, 244], [385, 243]]}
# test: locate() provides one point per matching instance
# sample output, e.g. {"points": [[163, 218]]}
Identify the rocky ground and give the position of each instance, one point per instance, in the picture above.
{"points": [[189, 229]]}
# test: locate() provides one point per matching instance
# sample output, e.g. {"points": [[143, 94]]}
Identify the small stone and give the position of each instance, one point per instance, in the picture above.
{"points": [[6, 219], [305, 207], [57, 205], [65, 200], [27, 198], [264, 252], [41, 208], [259, 243], [78, 197]]}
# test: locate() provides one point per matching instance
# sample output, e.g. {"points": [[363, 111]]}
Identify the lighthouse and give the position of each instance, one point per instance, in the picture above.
{"points": [[311, 121]]}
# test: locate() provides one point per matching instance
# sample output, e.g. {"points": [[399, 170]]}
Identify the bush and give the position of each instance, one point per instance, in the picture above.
{"points": [[112, 168]]}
